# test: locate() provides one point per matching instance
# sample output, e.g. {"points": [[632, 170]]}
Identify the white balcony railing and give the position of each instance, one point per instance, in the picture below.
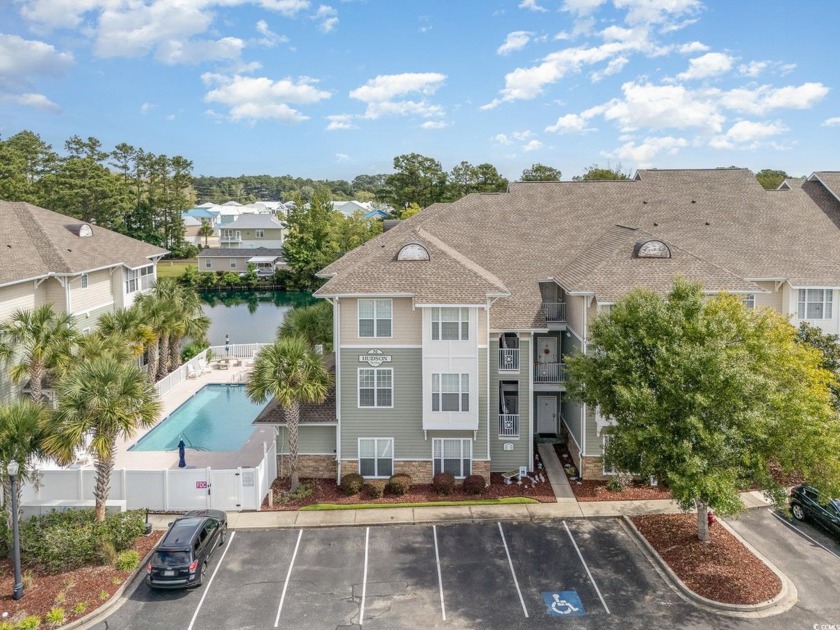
{"points": [[508, 359], [508, 425], [554, 311], [549, 372]]}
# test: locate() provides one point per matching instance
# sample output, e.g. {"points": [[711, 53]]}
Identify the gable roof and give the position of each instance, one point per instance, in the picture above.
{"points": [[36, 242], [240, 252], [253, 221]]}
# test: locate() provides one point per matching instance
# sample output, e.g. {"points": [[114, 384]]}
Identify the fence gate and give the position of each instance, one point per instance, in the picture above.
{"points": [[225, 489]]}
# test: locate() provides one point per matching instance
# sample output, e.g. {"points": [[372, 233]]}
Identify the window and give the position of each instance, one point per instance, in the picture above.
{"points": [[452, 456], [413, 251], [131, 281], [814, 304], [450, 323], [605, 439], [84, 281], [374, 318], [258, 233], [605, 308], [233, 263], [748, 300], [208, 264], [450, 392], [376, 457], [376, 387]]}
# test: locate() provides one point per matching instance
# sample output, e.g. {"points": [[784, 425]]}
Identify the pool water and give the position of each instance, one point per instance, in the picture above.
{"points": [[217, 418]]}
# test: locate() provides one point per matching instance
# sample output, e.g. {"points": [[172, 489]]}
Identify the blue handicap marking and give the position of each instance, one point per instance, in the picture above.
{"points": [[563, 604]]}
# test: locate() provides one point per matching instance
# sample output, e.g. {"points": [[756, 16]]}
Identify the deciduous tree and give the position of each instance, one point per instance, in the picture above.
{"points": [[541, 173], [771, 179]]}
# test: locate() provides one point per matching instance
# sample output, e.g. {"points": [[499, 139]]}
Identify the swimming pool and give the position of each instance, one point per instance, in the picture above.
{"points": [[217, 418]]}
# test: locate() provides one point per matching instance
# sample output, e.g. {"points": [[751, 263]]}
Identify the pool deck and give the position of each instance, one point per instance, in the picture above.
{"points": [[249, 455]]}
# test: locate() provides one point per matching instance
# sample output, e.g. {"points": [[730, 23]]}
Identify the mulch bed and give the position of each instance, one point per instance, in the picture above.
{"points": [[326, 491], [91, 586], [722, 570], [588, 490]]}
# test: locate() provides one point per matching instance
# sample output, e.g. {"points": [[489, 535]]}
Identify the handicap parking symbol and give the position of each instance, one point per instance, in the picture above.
{"points": [[563, 604]]}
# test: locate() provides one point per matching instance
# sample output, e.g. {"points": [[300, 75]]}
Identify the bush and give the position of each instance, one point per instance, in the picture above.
{"points": [[127, 560], [474, 484], [443, 483], [80, 608], [55, 617], [399, 484], [615, 485], [374, 489], [29, 623], [351, 484]]}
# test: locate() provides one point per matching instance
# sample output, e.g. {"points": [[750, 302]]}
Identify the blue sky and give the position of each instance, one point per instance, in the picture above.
{"points": [[338, 88]]}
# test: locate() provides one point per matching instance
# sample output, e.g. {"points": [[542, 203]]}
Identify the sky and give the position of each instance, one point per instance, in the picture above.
{"points": [[335, 89]]}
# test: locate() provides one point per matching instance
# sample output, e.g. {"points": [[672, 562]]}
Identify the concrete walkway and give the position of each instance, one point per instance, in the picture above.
{"points": [[559, 482]]}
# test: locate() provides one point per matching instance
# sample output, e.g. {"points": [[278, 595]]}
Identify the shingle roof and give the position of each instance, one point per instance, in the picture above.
{"points": [[723, 229], [36, 242], [310, 413], [251, 221], [831, 180], [241, 252]]}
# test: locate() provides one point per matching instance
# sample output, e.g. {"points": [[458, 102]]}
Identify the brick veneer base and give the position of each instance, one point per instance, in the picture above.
{"points": [[482, 467], [311, 466], [593, 469], [419, 470]]}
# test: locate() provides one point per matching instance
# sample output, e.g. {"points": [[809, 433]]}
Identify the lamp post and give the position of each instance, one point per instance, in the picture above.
{"points": [[13, 468]]}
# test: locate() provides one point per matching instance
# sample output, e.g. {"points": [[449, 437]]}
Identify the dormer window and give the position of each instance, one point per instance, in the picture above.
{"points": [[85, 230], [413, 251], [651, 249]]}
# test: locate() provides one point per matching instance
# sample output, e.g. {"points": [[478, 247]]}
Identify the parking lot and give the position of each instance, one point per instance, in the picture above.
{"points": [[575, 573]]}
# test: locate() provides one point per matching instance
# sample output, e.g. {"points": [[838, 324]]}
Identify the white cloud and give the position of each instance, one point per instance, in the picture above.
{"points": [[692, 47], [434, 124], [765, 98], [613, 67], [533, 145], [753, 68], [642, 154], [269, 38], [23, 59], [832, 122], [532, 5], [663, 106], [517, 40], [194, 52], [502, 138], [328, 18], [29, 99], [380, 94], [570, 123], [254, 98], [708, 65], [658, 11], [289, 8], [582, 7], [746, 134], [145, 108], [340, 122], [342, 157], [522, 135]]}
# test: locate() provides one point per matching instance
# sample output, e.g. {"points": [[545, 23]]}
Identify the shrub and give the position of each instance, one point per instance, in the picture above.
{"points": [[443, 483], [351, 484], [103, 595], [127, 560], [474, 484], [615, 485], [374, 489], [399, 484], [80, 608], [29, 623], [55, 617]]}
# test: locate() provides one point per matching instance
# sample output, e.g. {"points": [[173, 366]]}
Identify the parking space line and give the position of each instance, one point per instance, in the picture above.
{"points": [[207, 586], [512, 572], [588, 572], [286, 583], [813, 540], [440, 578], [364, 578]]}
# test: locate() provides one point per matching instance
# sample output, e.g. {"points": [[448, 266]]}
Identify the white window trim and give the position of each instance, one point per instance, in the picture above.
{"points": [[460, 392], [259, 233], [748, 300], [232, 263], [463, 318], [85, 281], [208, 263], [461, 458], [376, 457], [803, 291], [375, 318], [375, 388]]}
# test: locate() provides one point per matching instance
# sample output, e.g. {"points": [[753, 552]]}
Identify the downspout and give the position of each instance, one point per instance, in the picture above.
{"points": [[487, 371], [337, 350], [530, 393], [586, 303]]}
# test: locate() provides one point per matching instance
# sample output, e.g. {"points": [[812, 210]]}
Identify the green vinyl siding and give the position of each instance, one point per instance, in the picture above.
{"points": [[593, 442], [502, 460], [312, 440], [571, 415], [92, 319]]}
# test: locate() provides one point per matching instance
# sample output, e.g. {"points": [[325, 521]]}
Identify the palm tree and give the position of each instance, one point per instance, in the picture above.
{"points": [[129, 325], [22, 431], [154, 313], [102, 399], [293, 373], [206, 230], [190, 322], [41, 337], [314, 323]]}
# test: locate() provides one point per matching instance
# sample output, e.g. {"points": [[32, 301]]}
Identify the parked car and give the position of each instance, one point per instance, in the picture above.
{"points": [[805, 503], [181, 558]]}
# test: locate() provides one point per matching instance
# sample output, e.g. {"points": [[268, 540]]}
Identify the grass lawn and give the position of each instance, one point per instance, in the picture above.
{"points": [[173, 268], [368, 506]]}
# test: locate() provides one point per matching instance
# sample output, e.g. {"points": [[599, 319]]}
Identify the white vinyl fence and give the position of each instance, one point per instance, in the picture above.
{"points": [[236, 351], [175, 489]]}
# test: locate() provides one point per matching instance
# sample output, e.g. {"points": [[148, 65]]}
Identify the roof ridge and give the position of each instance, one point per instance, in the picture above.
{"points": [[40, 236], [459, 257]]}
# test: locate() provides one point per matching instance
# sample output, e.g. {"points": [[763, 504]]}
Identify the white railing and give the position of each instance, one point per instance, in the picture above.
{"points": [[554, 311], [509, 358], [549, 372], [508, 425], [237, 350], [234, 351]]}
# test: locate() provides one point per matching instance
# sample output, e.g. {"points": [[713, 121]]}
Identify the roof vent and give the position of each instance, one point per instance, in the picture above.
{"points": [[82, 230], [413, 251], [651, 249]]}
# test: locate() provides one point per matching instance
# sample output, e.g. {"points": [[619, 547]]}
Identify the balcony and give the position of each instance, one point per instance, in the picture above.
{"points": [[549, 373], [230, 238], [508, 359], [508, 425], [555, 312]]}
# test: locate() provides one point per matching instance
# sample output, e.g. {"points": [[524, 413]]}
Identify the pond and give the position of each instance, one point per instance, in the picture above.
{"points": [[248, 316]]}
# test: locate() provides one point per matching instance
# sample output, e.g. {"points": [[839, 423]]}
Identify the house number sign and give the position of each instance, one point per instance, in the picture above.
{"points": [[374, 358]]}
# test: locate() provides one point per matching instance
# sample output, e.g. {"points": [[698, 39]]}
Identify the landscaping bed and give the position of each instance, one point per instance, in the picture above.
{"points": [[326, 491], [722, 570]]}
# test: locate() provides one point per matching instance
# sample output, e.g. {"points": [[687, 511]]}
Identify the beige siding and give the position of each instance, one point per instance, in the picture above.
{"points": [[502, 460], [593, 440], [55, 295], [222, 263], [575, 306], [406, 324], [482, 327], [773, 299], [97, 294], [18, 296]]}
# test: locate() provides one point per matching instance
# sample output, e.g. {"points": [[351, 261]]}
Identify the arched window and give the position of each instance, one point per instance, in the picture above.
{"points": [[413, 251]]}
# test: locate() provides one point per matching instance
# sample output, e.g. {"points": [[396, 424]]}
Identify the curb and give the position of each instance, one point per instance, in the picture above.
{"points": [[115, 601], [782, 602]]}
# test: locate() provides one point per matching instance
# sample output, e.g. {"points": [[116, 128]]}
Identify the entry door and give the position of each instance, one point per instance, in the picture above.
{"points": [[546, 414], [546, 349]]}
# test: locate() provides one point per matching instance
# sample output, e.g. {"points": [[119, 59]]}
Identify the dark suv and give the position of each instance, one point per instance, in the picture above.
{"points": [[181, 558], [805, 503]]}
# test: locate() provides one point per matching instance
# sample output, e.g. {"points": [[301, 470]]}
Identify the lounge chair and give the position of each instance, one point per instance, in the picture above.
{"points": [[191, 371]]}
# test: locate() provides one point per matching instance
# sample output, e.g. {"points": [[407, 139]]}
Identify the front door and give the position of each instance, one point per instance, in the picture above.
{"points": [[546, 349], [546, 414]]}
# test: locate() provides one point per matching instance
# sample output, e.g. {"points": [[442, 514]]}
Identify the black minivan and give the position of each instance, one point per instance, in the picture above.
{"points": [[181, 558]]}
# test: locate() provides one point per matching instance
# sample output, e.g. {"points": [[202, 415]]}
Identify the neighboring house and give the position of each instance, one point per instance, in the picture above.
{"points": [[237, 259], [377, 213], [451, 329], [252, 230], [191, 227], [208, 214], [79, 268]]}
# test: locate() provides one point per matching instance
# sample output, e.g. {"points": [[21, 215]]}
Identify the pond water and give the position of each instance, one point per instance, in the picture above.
{"points": [[248, 316]]}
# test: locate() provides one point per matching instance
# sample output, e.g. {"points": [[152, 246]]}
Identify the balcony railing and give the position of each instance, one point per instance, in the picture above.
{"points": [[549, 373], [508, 425], [230, 239], [554, 311], [508, 359]]}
